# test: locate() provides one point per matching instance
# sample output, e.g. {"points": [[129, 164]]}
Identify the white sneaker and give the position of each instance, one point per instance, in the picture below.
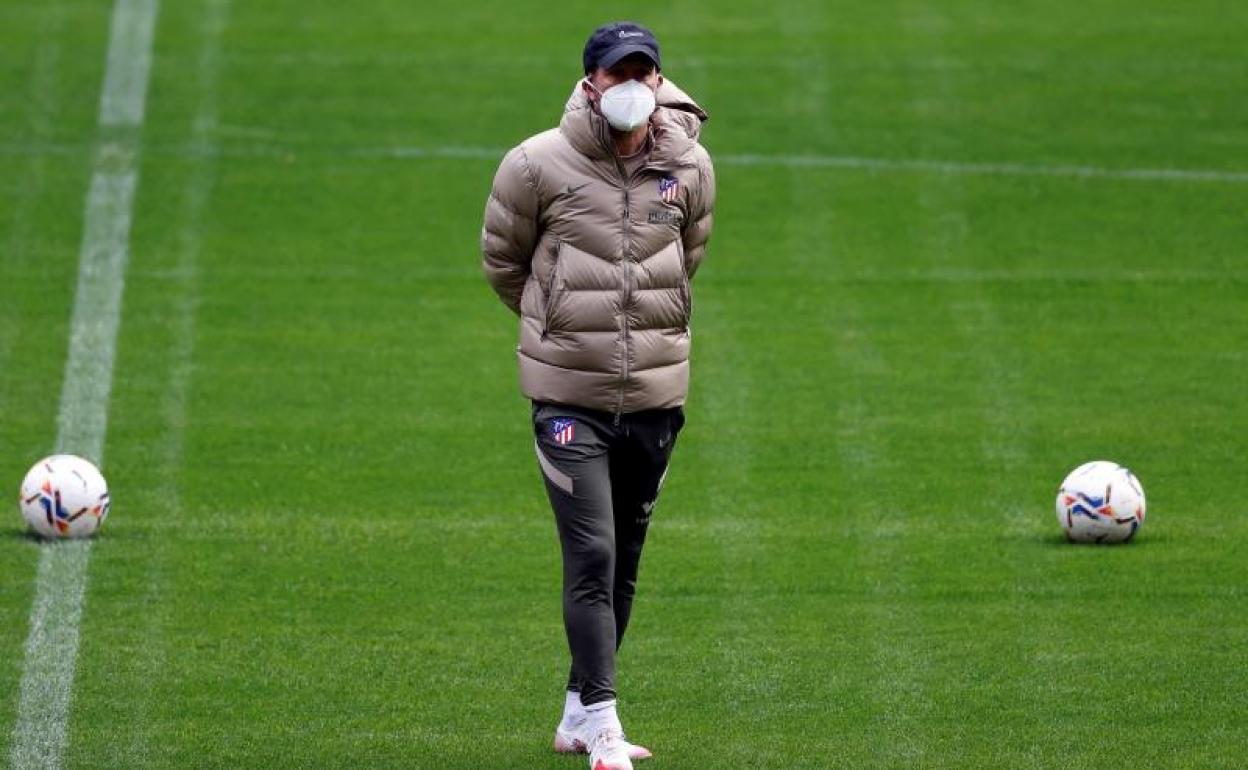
{"points": [[572, 741], [609, 751]]}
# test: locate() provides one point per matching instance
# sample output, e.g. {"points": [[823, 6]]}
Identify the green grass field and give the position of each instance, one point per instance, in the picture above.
{"points": [[329, 545]]}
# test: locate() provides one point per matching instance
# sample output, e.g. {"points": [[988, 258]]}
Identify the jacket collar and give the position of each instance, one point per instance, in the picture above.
{"points": [[674, 128]]}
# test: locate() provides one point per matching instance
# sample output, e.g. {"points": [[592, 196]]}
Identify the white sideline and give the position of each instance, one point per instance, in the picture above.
{"points": [[41, 728]]}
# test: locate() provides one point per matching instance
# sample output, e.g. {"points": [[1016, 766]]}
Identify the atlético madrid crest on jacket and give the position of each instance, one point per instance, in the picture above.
{"points": [[562, 430], [669, 188]]}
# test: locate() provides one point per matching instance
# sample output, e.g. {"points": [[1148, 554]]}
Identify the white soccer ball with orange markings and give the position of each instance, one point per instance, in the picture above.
{"points": [[1100, 502], [64, 496]]}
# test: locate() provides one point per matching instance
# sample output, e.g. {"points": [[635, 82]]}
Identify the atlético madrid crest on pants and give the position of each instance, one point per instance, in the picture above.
{"points": [[562, 430]]}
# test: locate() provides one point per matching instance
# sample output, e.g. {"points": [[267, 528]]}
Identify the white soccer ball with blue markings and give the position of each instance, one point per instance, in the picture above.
{"points": [[1100, 502], [64, 496]]}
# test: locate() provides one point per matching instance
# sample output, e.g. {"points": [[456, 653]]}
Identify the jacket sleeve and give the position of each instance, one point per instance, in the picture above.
{"points": [[510, 231], [697, 230]]}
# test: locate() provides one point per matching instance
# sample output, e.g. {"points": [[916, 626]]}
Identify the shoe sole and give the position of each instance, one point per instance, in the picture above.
{"points": [[564, 746]]}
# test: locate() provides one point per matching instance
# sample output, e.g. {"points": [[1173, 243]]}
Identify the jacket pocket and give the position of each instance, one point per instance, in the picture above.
{"points": [[686, 299], [686, 291], [552, 296]]}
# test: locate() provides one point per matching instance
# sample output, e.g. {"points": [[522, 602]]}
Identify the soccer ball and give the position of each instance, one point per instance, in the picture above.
{"points": [[64, 496], [1100, 502]]}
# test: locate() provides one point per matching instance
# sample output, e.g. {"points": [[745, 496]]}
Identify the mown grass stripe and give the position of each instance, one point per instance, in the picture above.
{"points": [[40, 100], [198, 194]]}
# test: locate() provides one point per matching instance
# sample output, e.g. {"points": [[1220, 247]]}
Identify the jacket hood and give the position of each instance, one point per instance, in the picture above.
{"points": [[675, 126]]}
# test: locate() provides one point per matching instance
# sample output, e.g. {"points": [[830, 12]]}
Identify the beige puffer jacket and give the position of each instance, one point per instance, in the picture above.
{"points": [[597, 263]]}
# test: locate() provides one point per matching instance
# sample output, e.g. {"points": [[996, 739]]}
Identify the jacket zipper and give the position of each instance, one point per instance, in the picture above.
{"points": [[625, 260], [626, 264]]}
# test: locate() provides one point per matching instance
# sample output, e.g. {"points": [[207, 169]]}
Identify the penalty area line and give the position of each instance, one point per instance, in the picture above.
{"points": [[41, 729]]}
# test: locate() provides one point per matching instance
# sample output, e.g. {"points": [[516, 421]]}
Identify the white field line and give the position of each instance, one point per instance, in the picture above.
{"points": [[987, 169], [124, 96], [41, 728], [856, 163], [304, 148], [97, 313]]}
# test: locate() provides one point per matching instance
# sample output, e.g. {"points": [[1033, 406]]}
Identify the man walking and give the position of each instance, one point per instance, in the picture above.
{"points": [[592, 233]]}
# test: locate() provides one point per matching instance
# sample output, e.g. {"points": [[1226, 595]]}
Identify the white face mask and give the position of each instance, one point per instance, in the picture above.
{"points": [[627, 105]]}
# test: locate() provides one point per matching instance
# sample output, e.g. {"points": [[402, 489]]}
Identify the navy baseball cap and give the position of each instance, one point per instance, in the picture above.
{"points": [[612, 42]]}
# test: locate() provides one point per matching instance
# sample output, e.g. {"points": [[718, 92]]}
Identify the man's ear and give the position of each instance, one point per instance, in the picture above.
{"points": [[591, 95]]}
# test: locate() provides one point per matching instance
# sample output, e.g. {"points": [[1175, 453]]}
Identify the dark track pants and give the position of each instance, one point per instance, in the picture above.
{"points": [[602, 480]]}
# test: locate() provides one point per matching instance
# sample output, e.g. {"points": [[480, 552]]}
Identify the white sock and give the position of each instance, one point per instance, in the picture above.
{"points": [[602, 716], [573, 711]]}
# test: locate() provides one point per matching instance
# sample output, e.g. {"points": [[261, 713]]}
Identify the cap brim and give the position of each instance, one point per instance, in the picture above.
{"points": [[612, 57]]}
